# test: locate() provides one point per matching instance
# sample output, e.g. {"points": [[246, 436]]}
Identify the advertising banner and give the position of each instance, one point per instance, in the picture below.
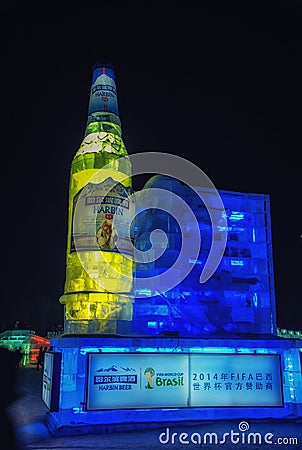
{"points": [[137, 381], [152, 380], [235, 380], [47, 379], [51, 380]]}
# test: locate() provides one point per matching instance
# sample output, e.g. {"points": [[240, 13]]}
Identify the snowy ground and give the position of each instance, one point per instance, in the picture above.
{"points": [[29, 411]]}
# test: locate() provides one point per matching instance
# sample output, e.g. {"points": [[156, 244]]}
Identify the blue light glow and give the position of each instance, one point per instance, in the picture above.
{"points": [[219, 228], [146, 292], [254, 234], [215, 350], [115, 349], [85, 350], [243, 278], [237, 262], [195, 261], [236, 215]]}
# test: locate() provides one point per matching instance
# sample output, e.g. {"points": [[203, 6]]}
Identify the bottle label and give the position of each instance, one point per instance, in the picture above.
{"points": [[103, 96], [102, 215]]}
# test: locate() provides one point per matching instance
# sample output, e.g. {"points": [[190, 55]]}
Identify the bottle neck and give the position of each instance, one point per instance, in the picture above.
{"points": [[103, 112], [109, 123]]}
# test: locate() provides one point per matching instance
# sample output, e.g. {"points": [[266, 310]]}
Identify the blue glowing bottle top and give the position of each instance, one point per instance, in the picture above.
{"points": [[103, 95]]}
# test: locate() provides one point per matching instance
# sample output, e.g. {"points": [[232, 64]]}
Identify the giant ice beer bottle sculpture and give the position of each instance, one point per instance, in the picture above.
{"points": [[99, 265]]}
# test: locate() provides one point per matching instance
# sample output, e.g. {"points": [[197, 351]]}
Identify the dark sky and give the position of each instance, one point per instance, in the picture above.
{"points": [[219, 84]]}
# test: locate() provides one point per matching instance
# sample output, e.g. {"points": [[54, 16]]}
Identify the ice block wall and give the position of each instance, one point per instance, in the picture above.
{"points": [[239, 298]]}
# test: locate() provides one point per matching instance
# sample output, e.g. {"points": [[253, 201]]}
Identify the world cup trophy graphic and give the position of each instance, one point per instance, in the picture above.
{"points": [[149, 374]]}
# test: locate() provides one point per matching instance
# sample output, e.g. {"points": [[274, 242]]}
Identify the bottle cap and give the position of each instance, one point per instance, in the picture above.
{"points": [[103, 63]]}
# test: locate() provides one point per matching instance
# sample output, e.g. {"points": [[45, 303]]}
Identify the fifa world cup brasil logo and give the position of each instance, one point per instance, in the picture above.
{"points": [[149, 374]]}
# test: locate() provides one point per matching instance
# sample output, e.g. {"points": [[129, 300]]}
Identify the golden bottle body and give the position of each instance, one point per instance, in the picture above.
{"points": [[99, 260]]}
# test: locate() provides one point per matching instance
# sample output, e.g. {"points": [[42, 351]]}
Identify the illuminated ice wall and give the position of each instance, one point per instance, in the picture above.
{"points": [[239, 298]]}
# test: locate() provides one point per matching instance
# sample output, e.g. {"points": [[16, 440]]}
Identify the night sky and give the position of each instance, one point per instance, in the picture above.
{"points": [[219, 84]]}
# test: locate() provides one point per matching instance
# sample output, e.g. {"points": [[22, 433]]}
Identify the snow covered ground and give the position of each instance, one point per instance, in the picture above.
{"points": [[28, 413]]}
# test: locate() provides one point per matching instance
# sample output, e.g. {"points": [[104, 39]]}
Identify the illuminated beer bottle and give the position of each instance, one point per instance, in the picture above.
{"points": [[99, 263]]}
